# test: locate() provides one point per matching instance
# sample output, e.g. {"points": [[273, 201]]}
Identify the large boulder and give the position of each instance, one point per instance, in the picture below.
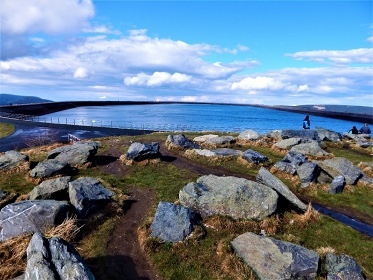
{"points": [[56, 189], [220, 152], [267, 178], [342, 267], [48, 168], [248, 135], [221, 141], [172, 222], [204, 138], [77, 154], [254, 157], [341, 166], [275, 259], [305, 134], [308, 173], [290, 163], [87, 194], [328, 135], [31, 216], [140, 151], [180, 142], [311, 148], [230, 196], [54, 258], [286, 144], [12, 159]]}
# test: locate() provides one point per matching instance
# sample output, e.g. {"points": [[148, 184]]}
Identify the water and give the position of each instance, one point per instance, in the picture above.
{"points": [[193, 117]]}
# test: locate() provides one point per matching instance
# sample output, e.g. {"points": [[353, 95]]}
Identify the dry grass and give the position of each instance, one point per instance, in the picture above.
{"points": [[322, 251], [13, 255], [236, 269], [311, 215], [271, 225]]}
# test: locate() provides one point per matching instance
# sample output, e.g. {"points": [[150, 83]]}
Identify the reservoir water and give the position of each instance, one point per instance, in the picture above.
{"points": [[193, 117]]}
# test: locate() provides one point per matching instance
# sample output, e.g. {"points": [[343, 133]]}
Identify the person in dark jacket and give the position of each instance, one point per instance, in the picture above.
{"points": [[354, 130], [306, 122], [365, 129]]}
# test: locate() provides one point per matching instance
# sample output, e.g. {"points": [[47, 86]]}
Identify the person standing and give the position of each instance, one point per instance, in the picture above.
{"points": [[365, 129], [307, 122]]}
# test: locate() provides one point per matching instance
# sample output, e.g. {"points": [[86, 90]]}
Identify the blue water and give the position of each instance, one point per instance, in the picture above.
{"points": [[193, 117]]}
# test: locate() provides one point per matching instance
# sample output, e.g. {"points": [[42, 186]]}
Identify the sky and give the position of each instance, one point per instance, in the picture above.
{"points": [[245, 52]]}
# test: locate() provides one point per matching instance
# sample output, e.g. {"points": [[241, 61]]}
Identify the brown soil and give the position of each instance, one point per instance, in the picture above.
{"points": [[126, 260]]}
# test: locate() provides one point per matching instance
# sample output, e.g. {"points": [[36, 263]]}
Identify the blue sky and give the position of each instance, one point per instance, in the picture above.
{"points": [[253, 52]]}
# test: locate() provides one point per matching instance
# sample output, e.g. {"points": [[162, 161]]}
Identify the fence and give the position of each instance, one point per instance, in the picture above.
{"points": [[117, 124]]}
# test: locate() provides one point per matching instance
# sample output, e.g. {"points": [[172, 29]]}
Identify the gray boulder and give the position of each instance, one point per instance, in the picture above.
{"points": [[311, 148], [328, 135], [54, 258], [221, 141], [139, 151], [48, 168], [56, 189], [341, 166], [79, 153], [226, 152], [248, 135], [274, 259], [305, 134], [230, 196], [342, 267], [286, 167], [87, 194], [308, 173], [179, 141], [254, 157], [11, 159], [295, 158], [172, 222], [267, 178], [204, 138], [3, 194], [337, 185], [288, 143], [31, 216]]}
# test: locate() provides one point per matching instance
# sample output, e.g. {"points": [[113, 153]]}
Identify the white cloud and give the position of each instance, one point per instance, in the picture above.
{"points": [[81, 73], [48, 16], [156, 79], [258, 83], [362, 55]]}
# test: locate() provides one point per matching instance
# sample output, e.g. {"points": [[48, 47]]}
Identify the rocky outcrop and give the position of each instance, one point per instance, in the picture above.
{"points": [[140, 151], [231, 196], [12, 159], [54, 258], [56, 189], [248, 135], [342, 267], [48, 168], [266, 178], [274, 259], [172, 222], [254, 157], [78, 154], [328, 135], [31, 216], [87, 194], [180, 142]]}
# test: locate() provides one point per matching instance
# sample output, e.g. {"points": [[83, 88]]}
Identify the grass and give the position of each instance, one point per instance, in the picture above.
{"points": [[6, 129], [207, 254]]}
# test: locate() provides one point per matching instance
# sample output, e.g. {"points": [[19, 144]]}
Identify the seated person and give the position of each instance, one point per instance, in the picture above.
{"points": [[365, 129], [354, 130]]}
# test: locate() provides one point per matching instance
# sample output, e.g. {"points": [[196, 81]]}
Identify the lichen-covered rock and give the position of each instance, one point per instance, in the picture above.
{"points": [[172, 222], [230, 196], [342, 267], [275, 259]]}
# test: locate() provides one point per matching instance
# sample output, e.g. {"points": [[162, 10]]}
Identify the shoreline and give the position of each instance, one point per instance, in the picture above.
{"points": [[39, 109]]}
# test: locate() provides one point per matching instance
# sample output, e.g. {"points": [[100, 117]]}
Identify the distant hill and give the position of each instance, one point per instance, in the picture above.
{"points": [[340, 108], [11, 99]]}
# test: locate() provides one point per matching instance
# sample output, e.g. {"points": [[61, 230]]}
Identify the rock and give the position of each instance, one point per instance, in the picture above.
{"points": [[225, 152], [305, 134], [286, 167], [172, 222], [288, 143], [254, 157], [308, 173], [311, 148], [11, 159], [221, 141], [31, 216], [274, 259], [365, 144], [79, 153], [48, 168], [355, 137], [87, 194], [266, 178], [341, 166], [337, 184], [56, 189], [248, 135], [3, 194], [342, 267], [204, 138], [54, 258], [139, 151], [230, 196], [295, 158], [328, 135], [179, 141], [202, 152]]}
